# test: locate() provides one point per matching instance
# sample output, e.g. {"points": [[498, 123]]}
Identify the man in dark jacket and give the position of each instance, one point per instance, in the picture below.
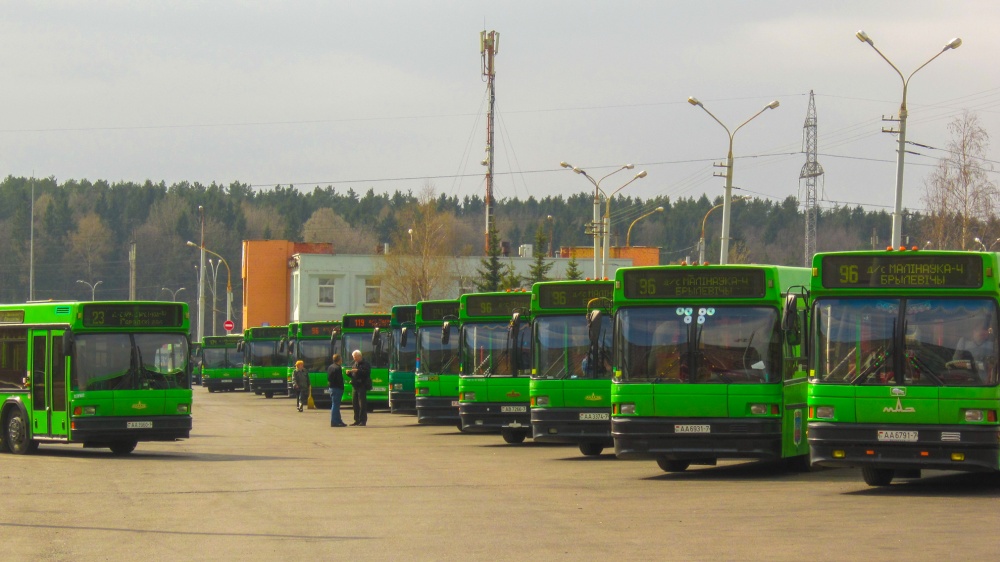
{"points": [[361, 380], [335, 378], [300, 378]]}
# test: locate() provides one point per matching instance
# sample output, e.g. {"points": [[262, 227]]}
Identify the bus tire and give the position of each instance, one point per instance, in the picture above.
{"points": [[16, 433], [211, 389], [268, 395], [798, 464], [122, 448], [591, 449], [877, 476], [672, 465], [512, 437]]}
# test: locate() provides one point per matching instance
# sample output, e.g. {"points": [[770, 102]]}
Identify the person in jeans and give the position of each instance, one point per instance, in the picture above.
{"points": [[300, 378], [335, 378], [361, 380]]}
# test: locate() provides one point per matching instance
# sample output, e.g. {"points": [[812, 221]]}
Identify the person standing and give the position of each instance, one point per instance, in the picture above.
{"points": [[361, 380], [300, 378], [335, 378]]}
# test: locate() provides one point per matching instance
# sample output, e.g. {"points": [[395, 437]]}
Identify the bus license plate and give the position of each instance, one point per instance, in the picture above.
{"points": [[692, 429], [226, 381], [378, 389], [278, 381], [902, 436], [139, 425], [513, 408], [454, 403], [588, 416]]}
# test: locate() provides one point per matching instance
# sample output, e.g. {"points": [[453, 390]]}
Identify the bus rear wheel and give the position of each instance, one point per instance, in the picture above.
{"points": [[672, 465], [268, 395], [16, 432], [123, 447], [591, 449], [877, 476], [512, 437]]}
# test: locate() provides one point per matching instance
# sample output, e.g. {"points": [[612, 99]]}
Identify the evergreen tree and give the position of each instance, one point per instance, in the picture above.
{"points": [[573, 271], [491, 271], [539, 270], [509, 279]]}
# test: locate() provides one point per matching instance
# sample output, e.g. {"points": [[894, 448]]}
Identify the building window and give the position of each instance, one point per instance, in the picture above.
{"points": [[326, 291], [373, 292]]}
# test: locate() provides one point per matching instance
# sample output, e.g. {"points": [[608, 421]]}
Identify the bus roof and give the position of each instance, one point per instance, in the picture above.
{"points": [[100, 315]]}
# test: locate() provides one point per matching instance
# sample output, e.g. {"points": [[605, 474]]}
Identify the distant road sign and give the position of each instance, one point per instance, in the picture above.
{"points": [[229, 325]]}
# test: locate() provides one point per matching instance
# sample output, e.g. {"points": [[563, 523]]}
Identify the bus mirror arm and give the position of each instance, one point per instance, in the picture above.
{"points": [[445, 333], [67, 343]]}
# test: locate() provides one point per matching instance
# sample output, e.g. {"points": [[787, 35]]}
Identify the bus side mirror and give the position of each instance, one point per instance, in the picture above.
{"points": [[594, 326], [790, 320], [403, 336], [334, 334], [281, 345], [239, 346], [67, 343], [445, 333], [513, 331], [377, 338]]}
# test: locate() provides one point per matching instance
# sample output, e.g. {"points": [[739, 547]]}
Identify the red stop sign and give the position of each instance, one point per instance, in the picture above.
{"points": [[228, 325]]}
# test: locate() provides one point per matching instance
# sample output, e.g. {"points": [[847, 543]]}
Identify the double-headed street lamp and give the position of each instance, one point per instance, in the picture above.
{"points": [[628, 235], [983, 246], [701, 241], [229, 279], [606, 225], [173, 293], [93, 287], [897, 213], [727, 200], [595, 226]]}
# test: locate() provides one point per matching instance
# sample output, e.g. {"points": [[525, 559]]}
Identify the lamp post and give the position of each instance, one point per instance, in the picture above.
{"points": [[983, 245], [897, 213], [606, 225], [701, 241], [201, 276], [214, 269], [173, 294], [597, 203], [727, 200], [229, 280], [628, 235], [93, 287], [551, 222]]}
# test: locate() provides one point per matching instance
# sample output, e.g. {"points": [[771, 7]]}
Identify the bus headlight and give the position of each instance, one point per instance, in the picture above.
{"points": [[627, 409], [541, 401], [758, 409], [183, 408], [974, 415], [469, 396], [824, 412], [84, 410], [423, 391]]}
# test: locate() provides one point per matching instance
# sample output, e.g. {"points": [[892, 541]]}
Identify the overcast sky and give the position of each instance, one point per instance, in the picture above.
{"points": [[390, 95]]}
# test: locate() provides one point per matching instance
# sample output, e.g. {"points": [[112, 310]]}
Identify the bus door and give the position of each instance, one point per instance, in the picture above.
{"points": [[48, 383]]}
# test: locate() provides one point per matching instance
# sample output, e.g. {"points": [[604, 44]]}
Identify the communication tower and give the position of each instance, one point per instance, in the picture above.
{"points": [[811, 172]]}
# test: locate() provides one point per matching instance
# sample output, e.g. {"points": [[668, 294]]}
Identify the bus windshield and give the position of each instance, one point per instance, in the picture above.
{"points": [[130, 362], [699, 344], [363, 342], [213, 358], [406, 355], [484, 350], [909, 341], [562, 348], [265, 354], [315, 354], [435, 357]]}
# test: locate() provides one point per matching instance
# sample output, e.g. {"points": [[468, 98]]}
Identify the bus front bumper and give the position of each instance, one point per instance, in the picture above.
{"points": [[276, 386], [971, 448], [223, 383], [402, 402], [572, 425], [132, 428], [696, 438], [492, 417], [437, 410]]}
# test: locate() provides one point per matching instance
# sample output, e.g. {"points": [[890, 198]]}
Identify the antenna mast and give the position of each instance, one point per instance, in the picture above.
{"points": [[810, 171], [489, 46]]}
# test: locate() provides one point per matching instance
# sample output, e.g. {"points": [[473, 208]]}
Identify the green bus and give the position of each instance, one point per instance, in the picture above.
{"points": [[364, 332], [495, 347], [104, 374], [707, 366], [570, 378], [402, 359], [313, 343], [265, 366], [437, 365], [221, 363], [903, 362]]}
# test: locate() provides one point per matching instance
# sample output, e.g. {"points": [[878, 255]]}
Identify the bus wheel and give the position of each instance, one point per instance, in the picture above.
{"points": [[211, 389], [877, 476], [512, 437], [16, 432], [671, 465], [591, 449], [123, 447], [268, 395], [798, 464]]}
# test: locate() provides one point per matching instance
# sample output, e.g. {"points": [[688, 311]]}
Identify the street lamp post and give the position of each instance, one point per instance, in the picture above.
{"points": [[606, 224], [628, 235], [701, 241], [727, 200], [229, 279], [214, 269], [201, 277], [597, 203], [173, 294], [983, 245], [897, 213], [551, 231], [93, 287]]}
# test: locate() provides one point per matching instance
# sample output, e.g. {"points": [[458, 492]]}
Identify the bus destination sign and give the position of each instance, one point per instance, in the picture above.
{"points": [[437, 311], [573, 295], [220, 341], [405, 314], [320, 329], [369, 321], [268, 333], [903, 271], [496, 305], [692, 283], [133, 315]]}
